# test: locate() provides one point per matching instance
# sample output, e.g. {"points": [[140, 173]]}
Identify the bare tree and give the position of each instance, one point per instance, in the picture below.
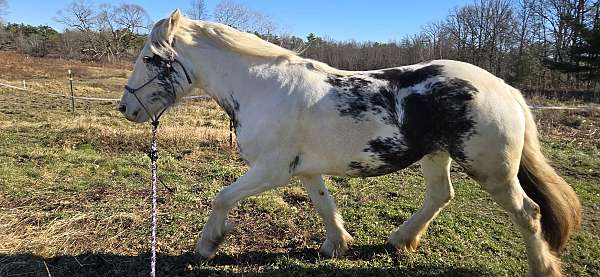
{"points": [[243, 18], [118, 27], [106, 31], [81, 17], [437, 37], [198, 10], [133, 18], [78, 15]]}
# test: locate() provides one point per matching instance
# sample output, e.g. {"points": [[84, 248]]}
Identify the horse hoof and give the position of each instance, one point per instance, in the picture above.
{"points": [[207, 249], [201, 254], [336, 248], [331, 249], [404, 244], [205, 253]]}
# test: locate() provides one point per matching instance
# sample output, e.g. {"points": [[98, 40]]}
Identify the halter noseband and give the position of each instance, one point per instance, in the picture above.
{"points": [[166, 67]]}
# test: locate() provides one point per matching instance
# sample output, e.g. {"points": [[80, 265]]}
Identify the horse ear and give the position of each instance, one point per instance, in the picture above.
{"points": [[174, 22], [175, 17]]}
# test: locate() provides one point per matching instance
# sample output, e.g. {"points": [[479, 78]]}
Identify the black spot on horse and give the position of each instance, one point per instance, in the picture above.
{"points": [[385, 103], [391, 153], [232, 107], [353, 83], [399, 78], [294, 163], [358, 98], [438, 119], [351, 95], [236, 104]]}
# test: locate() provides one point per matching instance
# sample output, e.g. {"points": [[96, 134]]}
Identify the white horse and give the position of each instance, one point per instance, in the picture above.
{"points": [[299, 117]]}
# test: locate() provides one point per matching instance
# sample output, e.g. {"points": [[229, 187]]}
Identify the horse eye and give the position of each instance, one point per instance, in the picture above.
{"points": [[147, 59], [157, 59]]}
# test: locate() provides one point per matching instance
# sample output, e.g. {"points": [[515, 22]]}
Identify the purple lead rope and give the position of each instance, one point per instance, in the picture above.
{"points": [[153, 158]]}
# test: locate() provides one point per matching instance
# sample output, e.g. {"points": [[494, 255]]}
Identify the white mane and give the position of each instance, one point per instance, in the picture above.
{"points": [[228, 38]]}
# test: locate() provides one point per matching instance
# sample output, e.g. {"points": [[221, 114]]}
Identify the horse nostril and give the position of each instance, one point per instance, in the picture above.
{"points": [[122, 108]]}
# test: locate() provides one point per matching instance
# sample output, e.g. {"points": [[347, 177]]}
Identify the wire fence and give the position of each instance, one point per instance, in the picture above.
{"points": [[87, 98], [73, 98]]}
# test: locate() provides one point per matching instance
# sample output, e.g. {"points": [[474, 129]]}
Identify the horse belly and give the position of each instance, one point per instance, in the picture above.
{"points": [[382, 155]]}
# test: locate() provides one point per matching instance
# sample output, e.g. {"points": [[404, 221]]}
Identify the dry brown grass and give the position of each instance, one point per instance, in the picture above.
{"points": [[23, 67], [49, 224]]}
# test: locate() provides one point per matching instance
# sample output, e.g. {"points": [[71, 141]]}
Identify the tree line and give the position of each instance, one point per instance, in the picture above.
{"points": [[533, 44], [93, 33], [537, 45]]}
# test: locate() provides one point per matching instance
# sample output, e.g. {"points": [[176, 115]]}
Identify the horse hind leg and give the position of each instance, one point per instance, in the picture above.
{"points": [[496, 169], [436, 171], [525, 213]]}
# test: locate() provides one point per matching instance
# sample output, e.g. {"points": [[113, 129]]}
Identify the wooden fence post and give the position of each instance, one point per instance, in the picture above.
{"points": [[72, 93], [230, 133]]}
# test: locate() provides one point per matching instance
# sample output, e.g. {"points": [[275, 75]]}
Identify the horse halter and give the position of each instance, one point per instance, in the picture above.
{"points": [[167, 69]]}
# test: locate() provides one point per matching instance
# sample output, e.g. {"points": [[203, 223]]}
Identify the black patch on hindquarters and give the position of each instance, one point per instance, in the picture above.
{"points": [[439, 118], [294, 163], [399, 78], [357, 98]]}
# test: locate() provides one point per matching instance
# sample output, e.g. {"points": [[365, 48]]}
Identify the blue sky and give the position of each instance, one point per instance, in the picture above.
{"points": [[375, 20]]}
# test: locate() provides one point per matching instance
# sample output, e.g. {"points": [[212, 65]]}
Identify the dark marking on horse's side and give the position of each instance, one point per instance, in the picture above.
{"points": [[232, 108], [401, 78], [351, 95], [385, 103], [236, 104], [440, 119], [357, 98], [390, 151], [294, 163], [436, 119]]}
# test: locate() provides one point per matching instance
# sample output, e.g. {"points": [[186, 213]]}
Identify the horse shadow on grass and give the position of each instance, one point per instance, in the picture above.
{"points": [[252, 263]]}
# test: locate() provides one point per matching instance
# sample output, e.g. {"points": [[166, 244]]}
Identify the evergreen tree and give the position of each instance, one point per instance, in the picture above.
{"points": [[584, 56]]}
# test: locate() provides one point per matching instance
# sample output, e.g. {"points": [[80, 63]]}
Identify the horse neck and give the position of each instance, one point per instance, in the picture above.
{"points": [[225, 75]]}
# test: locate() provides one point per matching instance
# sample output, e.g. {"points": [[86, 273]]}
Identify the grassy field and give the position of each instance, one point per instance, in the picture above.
{"points": [[74, 195]]}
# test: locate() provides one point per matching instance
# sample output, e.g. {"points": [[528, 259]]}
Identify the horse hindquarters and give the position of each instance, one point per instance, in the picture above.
{"points": [[505, 158]]}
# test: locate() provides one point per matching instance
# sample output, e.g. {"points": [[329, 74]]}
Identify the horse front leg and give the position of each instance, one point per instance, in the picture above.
{"points": [[255, 181], [337, 237]]}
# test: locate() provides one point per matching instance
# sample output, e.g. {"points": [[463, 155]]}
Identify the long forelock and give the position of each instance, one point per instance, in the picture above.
{"points": [[159, 40]]}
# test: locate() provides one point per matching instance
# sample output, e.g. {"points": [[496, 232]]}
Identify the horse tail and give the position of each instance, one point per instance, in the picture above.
{"points": [[559, 205]]}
